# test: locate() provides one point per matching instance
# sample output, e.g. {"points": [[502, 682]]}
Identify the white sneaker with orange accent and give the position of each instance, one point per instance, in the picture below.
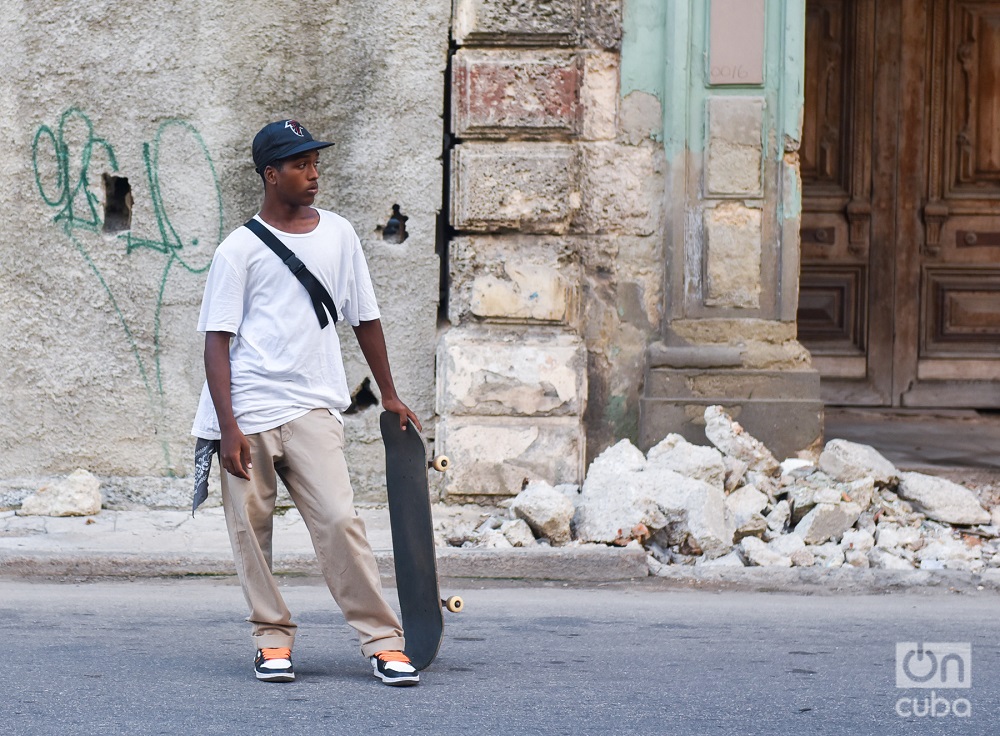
{"points": [[394, 668], [274, 664]]}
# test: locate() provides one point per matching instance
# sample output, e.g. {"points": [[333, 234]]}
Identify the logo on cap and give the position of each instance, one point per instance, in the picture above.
{"points": [[294, 126]]}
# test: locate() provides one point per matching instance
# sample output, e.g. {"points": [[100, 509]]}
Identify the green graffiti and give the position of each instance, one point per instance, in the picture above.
{"points": [[62, 160]]}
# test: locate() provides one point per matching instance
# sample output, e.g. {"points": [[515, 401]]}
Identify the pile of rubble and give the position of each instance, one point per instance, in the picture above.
{"points": [[734, 504]]}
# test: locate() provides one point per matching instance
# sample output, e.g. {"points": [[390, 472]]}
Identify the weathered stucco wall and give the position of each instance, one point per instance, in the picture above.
{"points": [[101, 362]]}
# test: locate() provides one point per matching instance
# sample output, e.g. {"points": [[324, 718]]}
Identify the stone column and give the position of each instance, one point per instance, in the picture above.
{"points": [[539, 202], [733, 101]]}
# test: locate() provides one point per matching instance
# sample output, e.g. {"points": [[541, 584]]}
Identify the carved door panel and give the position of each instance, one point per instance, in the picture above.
{"points": [[952, 351], [900, 286], [840, 319]]}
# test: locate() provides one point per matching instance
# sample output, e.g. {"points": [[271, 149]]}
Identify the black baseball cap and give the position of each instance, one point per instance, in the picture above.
{"points": [[282, 139]]}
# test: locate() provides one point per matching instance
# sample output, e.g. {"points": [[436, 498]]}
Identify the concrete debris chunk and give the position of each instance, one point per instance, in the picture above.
{"points": [[827, 521], [953, 554], [759, 554], [624, 493], [779, 516], [618, 495], [692, 461], [803, 558], [736, 471], [518, 533], [493, 539], [733, 559], [616, 461], [787, 544], [704, 517], [942, 500], [890, 536], [860, 491], [744, 504], [79, 494], [856, 558], [803, 493], [755, 526], [857, 539], [829, 554], [828, 495], [797, 466], [733, 440], [849, 461], [885, 559], [547, 511]]}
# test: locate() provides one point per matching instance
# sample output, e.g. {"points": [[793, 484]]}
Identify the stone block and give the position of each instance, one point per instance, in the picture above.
{"points": [[516, 22], [505, 373], [538, 294], [505, 279], [622, 189], [780, 408], [734, 150], [499, 94], [733, 256], [599, 96], [602, 23], [530, 187], [494, 456]]}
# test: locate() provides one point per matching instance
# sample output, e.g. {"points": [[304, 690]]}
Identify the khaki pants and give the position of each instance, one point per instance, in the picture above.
{"points": [[308, 454]]}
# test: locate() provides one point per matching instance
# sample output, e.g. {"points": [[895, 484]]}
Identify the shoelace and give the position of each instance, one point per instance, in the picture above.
{"points": [[277, 653], [390, 656]]}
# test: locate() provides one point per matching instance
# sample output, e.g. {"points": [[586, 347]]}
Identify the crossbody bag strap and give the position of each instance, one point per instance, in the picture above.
{"points": [[317, 292]]}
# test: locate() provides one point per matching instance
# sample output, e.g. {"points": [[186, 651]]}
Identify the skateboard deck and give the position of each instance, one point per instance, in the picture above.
{"points": [[412, 539]]}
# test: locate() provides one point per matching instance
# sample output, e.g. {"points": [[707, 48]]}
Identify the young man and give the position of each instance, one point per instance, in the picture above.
{"points": [[274, 392]]}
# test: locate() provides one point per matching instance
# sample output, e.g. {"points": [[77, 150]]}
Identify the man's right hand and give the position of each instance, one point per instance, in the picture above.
{"points": [[234, 452]]}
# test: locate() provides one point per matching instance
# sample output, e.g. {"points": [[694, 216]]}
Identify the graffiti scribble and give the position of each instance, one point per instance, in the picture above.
{"points": [[72, 148]]}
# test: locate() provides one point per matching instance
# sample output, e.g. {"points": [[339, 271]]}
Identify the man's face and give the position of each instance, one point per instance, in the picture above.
{"points": [[296, 179]]}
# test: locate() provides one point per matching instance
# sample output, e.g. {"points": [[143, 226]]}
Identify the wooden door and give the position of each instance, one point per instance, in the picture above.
{"points": [[900, 285]]}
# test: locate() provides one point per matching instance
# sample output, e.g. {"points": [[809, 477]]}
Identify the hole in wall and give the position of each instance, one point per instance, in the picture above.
{"points": [[394, 231], [362, 398], [117, 204]]}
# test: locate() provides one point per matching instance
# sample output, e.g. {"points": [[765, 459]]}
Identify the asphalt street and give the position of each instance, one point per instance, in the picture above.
{"points": [[173, 657]]}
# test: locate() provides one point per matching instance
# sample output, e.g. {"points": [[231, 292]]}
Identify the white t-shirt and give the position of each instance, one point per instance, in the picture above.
{"points": [[282, 364]]}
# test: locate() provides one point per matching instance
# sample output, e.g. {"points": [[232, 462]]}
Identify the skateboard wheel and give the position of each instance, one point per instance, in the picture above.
{"points": [[441, 463], [454, 603]]}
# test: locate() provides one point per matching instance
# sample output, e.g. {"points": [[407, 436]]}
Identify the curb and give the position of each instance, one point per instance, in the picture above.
{"points": [[579, 564], [574, 564], [826, 581]]}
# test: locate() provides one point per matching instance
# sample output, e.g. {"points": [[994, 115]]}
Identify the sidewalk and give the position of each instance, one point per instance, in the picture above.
{"points": [[157, 543], [154, 543]]}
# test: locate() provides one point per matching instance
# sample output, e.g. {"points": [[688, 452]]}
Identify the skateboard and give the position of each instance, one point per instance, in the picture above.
{"points": [[413, 539]]}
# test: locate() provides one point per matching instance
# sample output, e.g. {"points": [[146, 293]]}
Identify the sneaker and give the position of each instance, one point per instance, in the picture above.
{"points": [[274, 665], [394, 668]]}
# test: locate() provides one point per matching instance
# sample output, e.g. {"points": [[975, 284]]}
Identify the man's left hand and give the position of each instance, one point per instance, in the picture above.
{"points": [[398, 407]]}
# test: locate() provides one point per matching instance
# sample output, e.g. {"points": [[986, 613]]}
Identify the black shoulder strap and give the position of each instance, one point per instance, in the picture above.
{"points": [[317, 292]]}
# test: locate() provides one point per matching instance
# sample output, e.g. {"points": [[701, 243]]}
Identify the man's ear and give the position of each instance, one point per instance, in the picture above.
{"points": [[270, 174]]}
